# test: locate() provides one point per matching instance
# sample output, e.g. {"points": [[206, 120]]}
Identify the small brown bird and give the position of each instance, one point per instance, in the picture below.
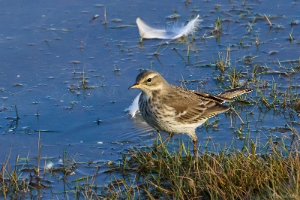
{"points": [[175, 110]]}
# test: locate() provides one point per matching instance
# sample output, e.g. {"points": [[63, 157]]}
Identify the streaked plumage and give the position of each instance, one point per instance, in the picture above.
{"points": [[175, 110]]}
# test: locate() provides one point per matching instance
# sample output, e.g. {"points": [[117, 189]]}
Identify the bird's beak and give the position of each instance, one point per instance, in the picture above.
{"points": [[134, 86]]}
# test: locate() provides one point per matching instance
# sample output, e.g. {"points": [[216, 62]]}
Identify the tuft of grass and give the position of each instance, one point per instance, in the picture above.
{"points": [[83, 82], [218, 26], [168, 171], [222, 62], [11, 185], [226, 174]]}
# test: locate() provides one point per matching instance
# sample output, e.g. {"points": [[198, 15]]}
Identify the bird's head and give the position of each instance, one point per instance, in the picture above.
{"points": [[149, 81]]}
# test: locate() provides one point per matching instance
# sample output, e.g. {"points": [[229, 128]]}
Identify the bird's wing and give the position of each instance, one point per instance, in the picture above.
{"points": [[210, 97], [194, 106], [201, 111]]}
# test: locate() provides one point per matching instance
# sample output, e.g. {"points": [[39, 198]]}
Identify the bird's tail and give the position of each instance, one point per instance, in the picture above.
{"points": [[231, 93]]}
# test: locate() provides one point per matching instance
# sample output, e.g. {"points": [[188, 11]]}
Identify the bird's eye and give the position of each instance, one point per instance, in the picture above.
{"points": [[149, 80]]}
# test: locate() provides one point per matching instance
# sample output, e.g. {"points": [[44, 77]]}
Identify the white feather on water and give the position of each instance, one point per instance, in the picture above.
{"points": [[134, 107], [172, 33]]}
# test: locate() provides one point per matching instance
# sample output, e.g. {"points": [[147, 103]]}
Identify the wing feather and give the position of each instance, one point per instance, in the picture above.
{"points": [[193, 106]]}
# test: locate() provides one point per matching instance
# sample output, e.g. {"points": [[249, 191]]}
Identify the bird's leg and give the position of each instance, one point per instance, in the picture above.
{"points": [[195, 147], [167, 139]]}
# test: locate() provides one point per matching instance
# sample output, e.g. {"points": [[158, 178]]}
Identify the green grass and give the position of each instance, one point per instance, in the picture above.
{"points": [[227, 174], [269, 171]]}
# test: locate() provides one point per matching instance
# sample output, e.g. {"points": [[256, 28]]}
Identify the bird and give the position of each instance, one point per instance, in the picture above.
{"points": [[176, 110]]}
